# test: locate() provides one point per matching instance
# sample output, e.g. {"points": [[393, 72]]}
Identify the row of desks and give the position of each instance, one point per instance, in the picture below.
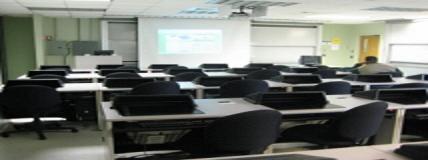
{"points": [[375, 152], [217, 108]]}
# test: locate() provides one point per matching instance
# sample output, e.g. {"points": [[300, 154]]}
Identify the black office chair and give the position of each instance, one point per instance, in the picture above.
{"points": [[351, 128], [129, 67], [188, 76], [161, 87], [242, 88], [326, 73], [32, 101], [50, 76], [263, 74], [334, 88], [280, 68], [239, 134], [123, 75]]}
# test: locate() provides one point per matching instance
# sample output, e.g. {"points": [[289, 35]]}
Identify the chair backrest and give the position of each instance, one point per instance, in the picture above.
{"points": [[214, 66], [326, 73], [242, 88], [334, 88], [411, 85], [282, 68], [129, 67], [246, 133], [123, 75], [360, 122], [263, 74], [29, 101], [188, 76], [156, 88], [50, 76]]}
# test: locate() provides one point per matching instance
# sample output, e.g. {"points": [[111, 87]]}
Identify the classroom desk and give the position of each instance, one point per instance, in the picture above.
{"points": [[216, 108], [75, 76], [165, 76], [212, 109], [223, 74], [349, 153]]}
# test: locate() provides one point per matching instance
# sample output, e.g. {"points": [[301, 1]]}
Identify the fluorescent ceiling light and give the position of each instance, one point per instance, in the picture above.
{"points": [[337, 17]]}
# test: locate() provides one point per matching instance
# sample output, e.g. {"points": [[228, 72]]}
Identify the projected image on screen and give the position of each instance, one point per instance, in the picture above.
{"points": [[189, 41]]}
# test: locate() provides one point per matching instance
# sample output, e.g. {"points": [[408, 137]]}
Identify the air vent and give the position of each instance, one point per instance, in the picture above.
{"points": [[397, 9], [200, 11], [238, 3]]}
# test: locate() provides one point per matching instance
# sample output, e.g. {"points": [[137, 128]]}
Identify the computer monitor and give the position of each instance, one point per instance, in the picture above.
{"points": [[135, 105], [53, 67], [125, 82], [175, 71], [105, 72], [310, 60], [259, 65], [423, 77], [103, 52], [162, 66], [214, 66], [371, 78], [289, 100], [109, 66], [402, 96], [298, 79], [54, 72], [215, 81], [243, 70], [304, 69]]}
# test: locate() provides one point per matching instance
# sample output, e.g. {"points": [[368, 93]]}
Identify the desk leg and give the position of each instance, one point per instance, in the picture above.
{"points": [[167, 78], [199, 93], [289, 89], [98, 100], [366, 87], [398, 125], [94, 80], [108, 138]]}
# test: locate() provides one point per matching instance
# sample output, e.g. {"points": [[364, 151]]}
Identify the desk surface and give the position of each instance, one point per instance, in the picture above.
{"points": [[350, 153], [214, 108]]}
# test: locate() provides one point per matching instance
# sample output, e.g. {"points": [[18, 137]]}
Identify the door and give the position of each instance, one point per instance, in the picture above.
{"points": [[369, 46], [122, 38]]}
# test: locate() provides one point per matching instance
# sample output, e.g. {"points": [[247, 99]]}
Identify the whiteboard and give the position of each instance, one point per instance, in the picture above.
{"points": [[283, 44], [409, 53]]}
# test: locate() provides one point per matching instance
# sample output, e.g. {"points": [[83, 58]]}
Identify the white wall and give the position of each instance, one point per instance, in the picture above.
{"points": [[413, 33], [236, 41]]}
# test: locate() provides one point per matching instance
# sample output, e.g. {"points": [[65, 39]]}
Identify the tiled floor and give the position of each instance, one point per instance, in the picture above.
{"points": [[84, 145]]}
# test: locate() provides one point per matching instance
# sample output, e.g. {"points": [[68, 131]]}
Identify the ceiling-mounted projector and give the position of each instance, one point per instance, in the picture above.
{"points": [[240, 13]]}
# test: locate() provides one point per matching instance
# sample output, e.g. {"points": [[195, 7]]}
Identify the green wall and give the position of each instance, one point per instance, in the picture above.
{"points": [[64, 29], [19, 46], [349, 34]]}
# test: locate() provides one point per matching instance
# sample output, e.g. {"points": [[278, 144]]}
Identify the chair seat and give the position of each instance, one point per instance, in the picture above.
{"points": [[314, 133]]}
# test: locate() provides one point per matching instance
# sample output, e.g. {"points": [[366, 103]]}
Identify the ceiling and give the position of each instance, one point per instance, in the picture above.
{"points": [[327, 11]]}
